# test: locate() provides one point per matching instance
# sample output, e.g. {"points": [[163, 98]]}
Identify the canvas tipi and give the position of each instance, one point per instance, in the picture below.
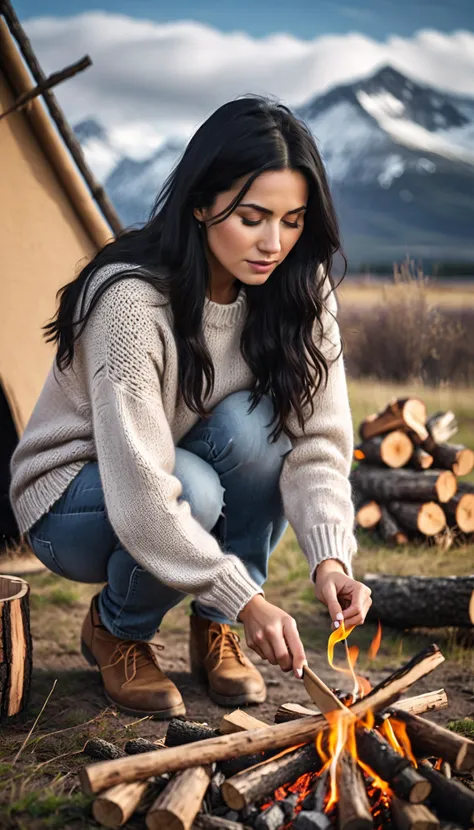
{"points": [[53, 217]]}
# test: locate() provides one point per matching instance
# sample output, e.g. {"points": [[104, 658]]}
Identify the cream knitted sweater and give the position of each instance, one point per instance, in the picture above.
{"points": [[118, 404]]}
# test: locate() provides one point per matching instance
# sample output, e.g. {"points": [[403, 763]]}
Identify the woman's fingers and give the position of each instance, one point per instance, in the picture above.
{"points": [[276, 640], [295, 646], [357, 611]]}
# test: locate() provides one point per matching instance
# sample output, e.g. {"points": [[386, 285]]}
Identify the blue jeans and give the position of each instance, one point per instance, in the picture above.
{"points": [[230, 477]]}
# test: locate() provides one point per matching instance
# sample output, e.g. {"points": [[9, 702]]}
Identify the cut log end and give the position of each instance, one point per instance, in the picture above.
{"points": [[465, 513], [369, 515], [464, 463], [446, 486], [431, 519]]}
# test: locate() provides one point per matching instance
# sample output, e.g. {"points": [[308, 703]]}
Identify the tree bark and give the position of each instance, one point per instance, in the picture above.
{"points": [[15, 645], [426, 518], [454, 457], [391, 766], [460, 512], [389, 531], [392, 450], [399, 414], [404, 485], [421, 601]]}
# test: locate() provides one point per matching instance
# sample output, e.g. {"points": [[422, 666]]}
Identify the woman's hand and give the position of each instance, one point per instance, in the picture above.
{"points": [[273, 634], [345, 598]]}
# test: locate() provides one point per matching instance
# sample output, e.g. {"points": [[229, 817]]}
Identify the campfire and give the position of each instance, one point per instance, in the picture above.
{"points": [[366, 759]]}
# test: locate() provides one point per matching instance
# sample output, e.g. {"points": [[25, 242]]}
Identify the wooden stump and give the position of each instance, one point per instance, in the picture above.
{"points": [[15, 645]]}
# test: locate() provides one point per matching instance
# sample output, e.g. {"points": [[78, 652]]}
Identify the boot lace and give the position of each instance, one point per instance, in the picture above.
{"points": [[224, 643], [138, 654]]}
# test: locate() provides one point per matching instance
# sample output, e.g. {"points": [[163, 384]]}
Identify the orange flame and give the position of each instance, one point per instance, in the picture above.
{"points": [[359, 455], [375, 644]]}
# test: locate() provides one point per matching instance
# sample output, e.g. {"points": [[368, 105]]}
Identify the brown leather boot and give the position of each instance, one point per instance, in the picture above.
{"points": [[131, 675], [216, 656]]}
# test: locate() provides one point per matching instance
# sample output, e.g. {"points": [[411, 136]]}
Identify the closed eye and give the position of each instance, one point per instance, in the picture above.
{"points": [[258, 222]]}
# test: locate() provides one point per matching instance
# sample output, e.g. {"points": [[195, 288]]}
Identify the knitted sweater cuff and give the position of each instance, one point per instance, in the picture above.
{"points": [[330, 541], [232, 589]]}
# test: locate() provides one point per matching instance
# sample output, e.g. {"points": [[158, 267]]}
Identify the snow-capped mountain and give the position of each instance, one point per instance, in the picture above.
{"points": [[399, 156]]}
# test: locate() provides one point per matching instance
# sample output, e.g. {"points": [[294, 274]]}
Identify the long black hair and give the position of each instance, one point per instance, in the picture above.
{"points": [[243, 138]]}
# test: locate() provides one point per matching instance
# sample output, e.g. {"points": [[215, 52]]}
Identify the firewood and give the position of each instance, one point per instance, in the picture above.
{"points": [[399, 414], [311, 820], [389, 531], [452, 799], [15, 645], [460, 512], [428, 738], [442, 426], [260, 781], [98, 748], [353, 804], [316, 798], [178, 805], [182, 731], [97, 777], [421, 601], [136, 745], [412, 816], [426, 518], [239, 721], [386, 486], [368, 515], [392, 450], [417, 705], [421, 460], [116, 805], [454, 457], [392, 767]]}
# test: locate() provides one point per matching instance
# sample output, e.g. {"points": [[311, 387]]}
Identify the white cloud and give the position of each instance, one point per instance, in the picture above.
{"points": [[172, 76]]}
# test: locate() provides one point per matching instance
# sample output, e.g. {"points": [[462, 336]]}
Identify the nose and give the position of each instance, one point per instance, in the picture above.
{"points": [[270, 240]]}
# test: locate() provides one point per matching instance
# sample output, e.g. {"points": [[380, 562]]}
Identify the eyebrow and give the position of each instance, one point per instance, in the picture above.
{"points": [[270, 212]]}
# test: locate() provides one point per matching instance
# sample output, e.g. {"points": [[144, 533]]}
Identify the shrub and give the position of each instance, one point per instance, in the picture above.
{"points": [[405, 337]]}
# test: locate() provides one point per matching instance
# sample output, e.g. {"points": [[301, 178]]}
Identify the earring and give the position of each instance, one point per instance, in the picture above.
{"points": [[199, 225]]}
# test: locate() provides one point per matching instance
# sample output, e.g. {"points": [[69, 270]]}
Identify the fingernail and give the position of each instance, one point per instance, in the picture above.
{"points": [[339, 616], [336, 624], [299, 673], [305, 662]]}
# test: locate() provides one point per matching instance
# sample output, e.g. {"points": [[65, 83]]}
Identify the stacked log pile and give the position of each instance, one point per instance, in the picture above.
{"points": [[406, 484]]}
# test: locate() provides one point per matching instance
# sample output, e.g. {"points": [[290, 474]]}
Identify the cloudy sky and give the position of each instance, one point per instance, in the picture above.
{"points": [[167, 66]]}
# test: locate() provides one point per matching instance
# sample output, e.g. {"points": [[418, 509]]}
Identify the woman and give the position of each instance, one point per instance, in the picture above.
{"points": [[196, 404]]}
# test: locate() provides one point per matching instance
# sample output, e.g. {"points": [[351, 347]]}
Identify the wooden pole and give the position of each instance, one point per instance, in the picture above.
{"points": [[53, 80], [57, 115]]}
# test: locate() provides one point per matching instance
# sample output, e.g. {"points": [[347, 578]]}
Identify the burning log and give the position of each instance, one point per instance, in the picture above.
{"points": [[260, 781], [392, 450], [368, 515], [428, 738], [412, 816], [420, 459], [353, 804], [392, 767], [452, 800], [426, 518], [454, 457], [404, 413], [442, 426], [421, 601], [404, 485], [460, 512], [389, 531], [178, 805], [417, 705]]}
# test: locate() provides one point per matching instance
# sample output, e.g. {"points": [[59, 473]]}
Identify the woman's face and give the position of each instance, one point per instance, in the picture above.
{"points": [[261, 231]]}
